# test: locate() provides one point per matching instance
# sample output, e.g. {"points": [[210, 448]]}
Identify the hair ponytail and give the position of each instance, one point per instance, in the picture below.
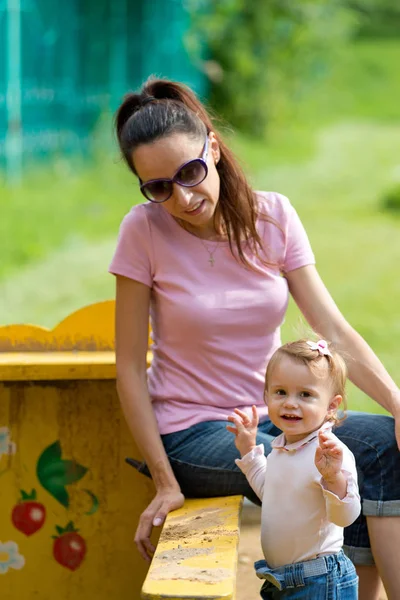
{"points": [[129, 106], [164, 89]]}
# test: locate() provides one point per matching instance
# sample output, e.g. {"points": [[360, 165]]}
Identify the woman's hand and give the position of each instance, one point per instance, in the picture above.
{"points": [[245, 429], [155, 514]]}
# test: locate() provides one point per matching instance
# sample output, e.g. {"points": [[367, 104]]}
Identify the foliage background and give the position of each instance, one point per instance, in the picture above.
{"points": [[267, 55]]}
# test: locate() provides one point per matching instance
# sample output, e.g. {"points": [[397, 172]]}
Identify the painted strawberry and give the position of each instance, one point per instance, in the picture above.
{"points": [[28, 515], [69, 547]]}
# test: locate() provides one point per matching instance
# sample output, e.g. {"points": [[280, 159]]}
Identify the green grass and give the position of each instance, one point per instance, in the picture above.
{"points": [[59, 205], [58, 230], [363, 83]]}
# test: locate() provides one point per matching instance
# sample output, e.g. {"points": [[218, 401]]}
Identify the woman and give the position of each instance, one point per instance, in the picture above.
{"points": [[213, 263]]}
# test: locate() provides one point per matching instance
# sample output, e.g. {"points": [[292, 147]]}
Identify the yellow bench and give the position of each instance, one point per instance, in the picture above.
{"points": [[69, 503], [196, 555]]}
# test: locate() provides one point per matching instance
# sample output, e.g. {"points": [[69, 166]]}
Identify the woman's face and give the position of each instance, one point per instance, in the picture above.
{"points": [[195, 206]]}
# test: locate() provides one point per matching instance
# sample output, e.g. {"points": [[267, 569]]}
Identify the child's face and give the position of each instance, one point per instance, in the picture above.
{"points": [[298, 400]]}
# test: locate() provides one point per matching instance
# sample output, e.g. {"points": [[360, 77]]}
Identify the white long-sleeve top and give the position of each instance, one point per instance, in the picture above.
{"points": [[300, 519]]}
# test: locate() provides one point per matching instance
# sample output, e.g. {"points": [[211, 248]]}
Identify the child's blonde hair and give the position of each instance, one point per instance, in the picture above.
{"points": [[308, 354]]}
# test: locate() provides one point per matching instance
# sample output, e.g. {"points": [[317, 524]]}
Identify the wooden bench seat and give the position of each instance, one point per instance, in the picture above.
{"points": [[196, 555]]}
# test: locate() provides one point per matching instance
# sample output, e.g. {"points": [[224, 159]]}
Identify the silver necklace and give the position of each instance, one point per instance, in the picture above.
{"points": [[211, 253]]}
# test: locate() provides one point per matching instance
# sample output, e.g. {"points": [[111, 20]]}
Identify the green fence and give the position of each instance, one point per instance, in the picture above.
{"points": [[63, 63]]}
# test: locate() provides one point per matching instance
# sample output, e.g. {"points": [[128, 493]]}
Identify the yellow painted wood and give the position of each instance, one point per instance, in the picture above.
{"points": [[50, 366], [85, 418], [59, 386], [80, 347], [90, 328], [196, 555]]}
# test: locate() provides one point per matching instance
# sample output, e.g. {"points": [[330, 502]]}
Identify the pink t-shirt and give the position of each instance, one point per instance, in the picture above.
{"points": [[214, 327]]}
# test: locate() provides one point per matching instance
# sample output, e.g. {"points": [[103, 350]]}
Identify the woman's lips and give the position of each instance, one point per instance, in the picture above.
{"points": [[197, 210]]}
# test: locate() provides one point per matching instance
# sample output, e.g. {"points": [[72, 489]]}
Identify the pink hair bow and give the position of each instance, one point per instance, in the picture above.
{"points": [[321, 346]]}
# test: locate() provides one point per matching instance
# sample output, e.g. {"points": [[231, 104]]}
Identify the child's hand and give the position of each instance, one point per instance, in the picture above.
{"points": [[328, 457], [245, 429]]}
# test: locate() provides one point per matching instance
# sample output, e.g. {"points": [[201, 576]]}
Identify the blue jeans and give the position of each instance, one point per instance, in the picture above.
{"points": [[331, 577], [203, 460]]}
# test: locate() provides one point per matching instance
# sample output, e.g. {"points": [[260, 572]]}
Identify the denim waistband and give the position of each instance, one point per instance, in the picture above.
{"points": [[311, 568], [294, 574]]}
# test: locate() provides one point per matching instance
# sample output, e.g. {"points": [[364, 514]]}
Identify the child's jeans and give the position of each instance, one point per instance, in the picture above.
{"points": [[330, 577]]}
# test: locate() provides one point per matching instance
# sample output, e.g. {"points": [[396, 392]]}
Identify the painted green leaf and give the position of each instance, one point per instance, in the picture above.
{"points": [[62, 472], [54, 473], [50, 454], [95, 503], [58, 492], [69, 528], [25, 496]]}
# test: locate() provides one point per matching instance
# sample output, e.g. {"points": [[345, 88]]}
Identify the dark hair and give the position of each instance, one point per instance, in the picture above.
{"points": [[164, 107]]}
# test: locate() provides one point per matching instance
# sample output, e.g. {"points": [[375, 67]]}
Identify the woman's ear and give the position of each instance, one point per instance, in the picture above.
{"points": [[214, 147], [334, 404]]}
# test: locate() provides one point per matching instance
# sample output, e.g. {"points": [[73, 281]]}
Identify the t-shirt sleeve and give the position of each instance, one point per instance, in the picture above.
{"points": [[133, 255], [288, 237], [298, 251]]}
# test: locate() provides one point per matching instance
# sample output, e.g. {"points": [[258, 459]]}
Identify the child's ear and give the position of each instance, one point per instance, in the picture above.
{"points": [[265, 396], [334, 404]]}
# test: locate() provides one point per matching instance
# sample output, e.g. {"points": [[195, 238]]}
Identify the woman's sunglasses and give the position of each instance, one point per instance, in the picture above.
{"points": [[189, 174]]}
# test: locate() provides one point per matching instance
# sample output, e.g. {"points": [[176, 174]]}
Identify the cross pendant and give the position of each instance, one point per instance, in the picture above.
{"points": [[211, 261]]}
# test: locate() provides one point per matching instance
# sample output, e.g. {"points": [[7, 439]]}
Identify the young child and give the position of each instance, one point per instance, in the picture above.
{"points": [[308, 483]]}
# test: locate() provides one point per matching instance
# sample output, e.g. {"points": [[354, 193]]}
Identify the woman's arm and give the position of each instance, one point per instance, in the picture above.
{"points": [[131, 332], [365, 369]]}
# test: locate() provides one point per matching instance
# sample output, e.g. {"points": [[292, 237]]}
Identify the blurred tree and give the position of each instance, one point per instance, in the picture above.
{"points": [[377, 18], [264, 53]]}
